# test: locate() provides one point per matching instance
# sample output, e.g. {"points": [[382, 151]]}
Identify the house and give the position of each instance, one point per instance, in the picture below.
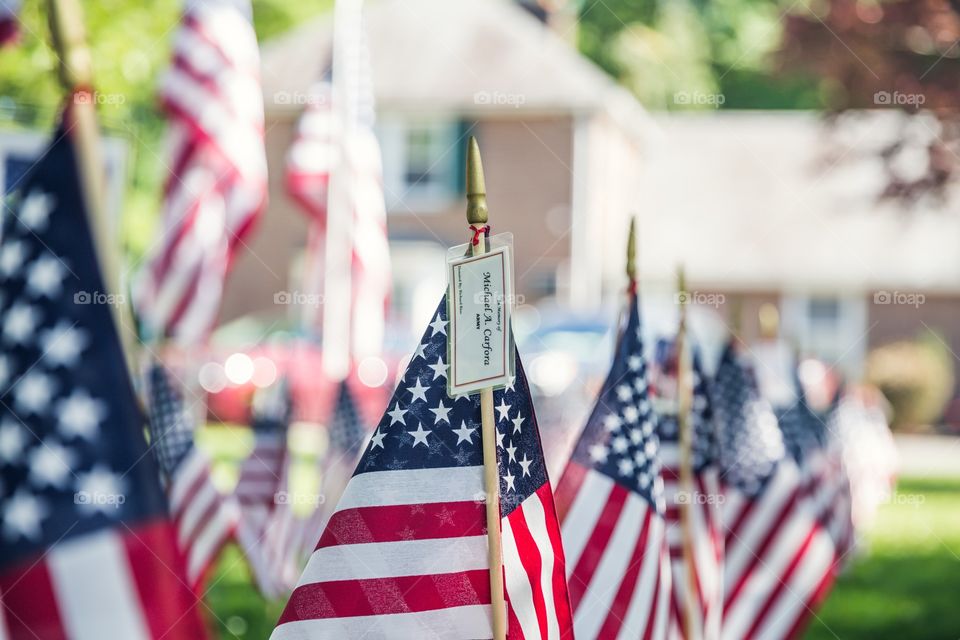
{"points": [[561, 144]]}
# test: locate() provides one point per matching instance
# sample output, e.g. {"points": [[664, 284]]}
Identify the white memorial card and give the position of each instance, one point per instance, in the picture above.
{"points": [[479, 300]]}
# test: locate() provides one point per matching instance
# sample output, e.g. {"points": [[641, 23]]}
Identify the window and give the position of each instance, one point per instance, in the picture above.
{"points": [[422, 164]]}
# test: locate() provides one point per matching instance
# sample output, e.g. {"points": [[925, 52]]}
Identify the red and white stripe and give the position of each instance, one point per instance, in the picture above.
{"points": [[118, 584], [429, 578], [217, 184], [204, 519], [779, 561], [618, 563], [707, 548]]}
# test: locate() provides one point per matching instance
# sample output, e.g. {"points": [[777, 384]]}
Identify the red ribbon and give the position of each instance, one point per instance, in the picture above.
{"points": [[479, 229]]}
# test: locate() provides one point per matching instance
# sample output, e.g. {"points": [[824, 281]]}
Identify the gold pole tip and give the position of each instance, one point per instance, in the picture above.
{"points": [[476, 186], [632, 250], [769, 318]]}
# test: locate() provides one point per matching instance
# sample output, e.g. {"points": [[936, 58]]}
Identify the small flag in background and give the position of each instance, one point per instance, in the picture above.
{"points": [[262, 478], [86, 547], [705, 523], [314, 153], [9, 22], [779, 558], [610, 500], [205, 519], [404, 554], [218, 177]]}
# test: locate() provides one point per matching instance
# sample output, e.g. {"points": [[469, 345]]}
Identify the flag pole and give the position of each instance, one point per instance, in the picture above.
{"points": [[477, 217], [76, 76], [684, 406]]}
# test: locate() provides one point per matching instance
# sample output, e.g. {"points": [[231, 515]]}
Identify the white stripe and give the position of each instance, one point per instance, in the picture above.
{"points": [[455, 623], [193, 512], [206, 544], [394, 559], [95, 591], [518, 585], [650, 572], [413, 486], [663, 604], [536, 518], [741, 550], [600, 593], [185, 477], [581, 519]]}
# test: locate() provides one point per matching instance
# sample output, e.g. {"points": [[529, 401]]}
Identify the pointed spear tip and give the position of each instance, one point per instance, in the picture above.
{"points": [[681, 280], [632, 250], [476, 186]]}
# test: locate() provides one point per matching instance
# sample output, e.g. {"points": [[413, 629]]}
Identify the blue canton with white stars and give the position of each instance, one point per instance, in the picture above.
{"points": [[803, 430], [171, 422], [620, 439], [749, 441], [73, 457], [425, 428]]}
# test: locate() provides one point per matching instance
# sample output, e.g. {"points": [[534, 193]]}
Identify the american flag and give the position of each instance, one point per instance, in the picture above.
{"points": [[205, 519], [262, 479], [611, 506], [346, 437], [779, 559], [9, 24], [404, 554], [87, 550], [705, 523], [217, 183]]}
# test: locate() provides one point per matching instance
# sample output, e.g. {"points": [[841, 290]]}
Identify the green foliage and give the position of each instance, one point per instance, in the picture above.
{"points": [[130, 42], [916, 376], [695, 54]]}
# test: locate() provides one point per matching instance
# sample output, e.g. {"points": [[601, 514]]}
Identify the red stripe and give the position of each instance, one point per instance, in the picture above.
{"points": [[735, 527], [383, 596], [597, 544], [561, 598], [170, 608], [621, 601], [760, 551], [782, 580], [568, 488], [405, 522], [812, 604], [532, 564], [30, 603], [196, 484], [654, 602]]}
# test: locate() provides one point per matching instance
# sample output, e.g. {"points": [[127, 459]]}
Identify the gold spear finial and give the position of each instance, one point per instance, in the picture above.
{"points": [[476, 187], [682, 290], [632, 250], [769, 318], [70, 41]]}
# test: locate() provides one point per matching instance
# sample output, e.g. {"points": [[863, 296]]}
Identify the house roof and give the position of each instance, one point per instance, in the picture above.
{"points": [[444, 55], [751, 200]]}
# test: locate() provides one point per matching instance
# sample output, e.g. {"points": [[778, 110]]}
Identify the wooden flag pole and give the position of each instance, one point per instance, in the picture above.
{"points": [[477, 217], [76, 75], [684, 406]]}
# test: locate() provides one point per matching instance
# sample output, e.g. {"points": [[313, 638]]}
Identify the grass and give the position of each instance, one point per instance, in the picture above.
{"points": [[906, 584]]}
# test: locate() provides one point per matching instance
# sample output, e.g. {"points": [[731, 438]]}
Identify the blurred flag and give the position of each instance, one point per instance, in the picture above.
{"points": [[217, 183], [705, 499], [262, 479], [610, 501], [86, 547], [9, 21], [205, 519], [346, 437], [779, 559], [405, 552]]}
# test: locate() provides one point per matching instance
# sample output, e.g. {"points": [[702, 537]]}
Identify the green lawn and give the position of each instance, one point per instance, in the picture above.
{"points": [[906, 585]]}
